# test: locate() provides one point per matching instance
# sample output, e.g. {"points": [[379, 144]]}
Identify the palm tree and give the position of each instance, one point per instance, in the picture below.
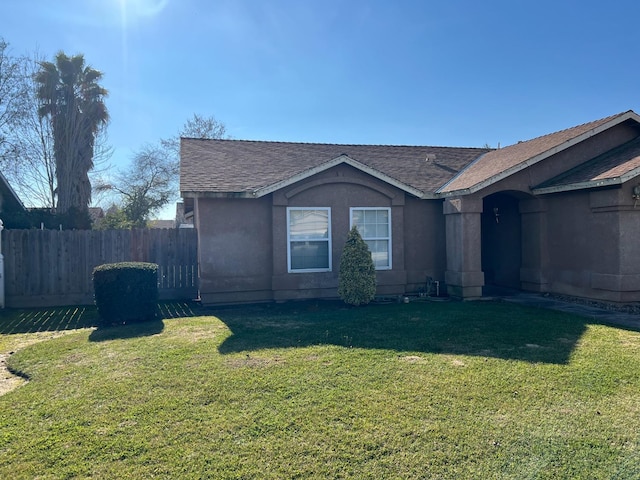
{"points": [[73, 101]]}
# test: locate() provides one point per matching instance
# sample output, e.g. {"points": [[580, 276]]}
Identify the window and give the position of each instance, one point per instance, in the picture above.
{"points": [[374, 226], [309, 239]]}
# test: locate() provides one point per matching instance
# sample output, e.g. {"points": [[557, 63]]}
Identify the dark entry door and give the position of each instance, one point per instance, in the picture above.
{"points": [[501, 241]]}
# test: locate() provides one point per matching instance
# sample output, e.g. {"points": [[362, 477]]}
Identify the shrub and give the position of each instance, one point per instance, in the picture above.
{"points": [[126, 292], [74, 219], [357, 277]]}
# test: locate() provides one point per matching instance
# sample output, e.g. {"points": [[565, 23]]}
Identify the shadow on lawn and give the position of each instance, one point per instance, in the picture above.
{"points": [[14, 321], [488, 329], [132, 330], [166, 311]]}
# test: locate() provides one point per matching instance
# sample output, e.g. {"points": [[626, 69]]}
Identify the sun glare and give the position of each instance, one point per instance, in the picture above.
{"points": [[130, 9], [134, 10]]}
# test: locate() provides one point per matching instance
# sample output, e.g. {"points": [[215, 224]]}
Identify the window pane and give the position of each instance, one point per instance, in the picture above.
{"points": [[379, 252], [308, 224], [382, 230], [374, 227], [309, 255], [369, 216], [367, 231]]}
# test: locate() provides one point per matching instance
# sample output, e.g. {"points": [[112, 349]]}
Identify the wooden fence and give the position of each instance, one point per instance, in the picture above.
{"points": [[50, 267]]}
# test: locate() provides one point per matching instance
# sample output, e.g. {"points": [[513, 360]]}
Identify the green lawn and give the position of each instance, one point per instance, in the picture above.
{"points": [[316, 390]]}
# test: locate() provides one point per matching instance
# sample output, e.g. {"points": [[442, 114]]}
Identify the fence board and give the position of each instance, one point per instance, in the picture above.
{"points": [[51, 267]]}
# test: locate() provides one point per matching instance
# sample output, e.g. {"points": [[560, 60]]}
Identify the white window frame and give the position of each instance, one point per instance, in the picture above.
{"points": [[388, 238], [289, 240]]}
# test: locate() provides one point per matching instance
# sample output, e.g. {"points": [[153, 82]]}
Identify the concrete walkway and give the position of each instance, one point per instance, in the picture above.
{"points": [[600, 315]]}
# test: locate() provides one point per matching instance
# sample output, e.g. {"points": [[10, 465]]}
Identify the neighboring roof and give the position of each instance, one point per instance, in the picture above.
{"points": [[96, 213], [162, 224], [611, 168], [255, 168], [11, 200], [501, 163]]}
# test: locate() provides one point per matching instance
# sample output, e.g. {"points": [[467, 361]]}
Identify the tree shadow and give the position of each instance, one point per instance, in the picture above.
{"points": [[166, 311], [14, 321], [487, 329]]}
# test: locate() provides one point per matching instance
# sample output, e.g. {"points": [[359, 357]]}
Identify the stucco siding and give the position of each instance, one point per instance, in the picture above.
{"points": [[425, 248], [234, 249], [592, 247], [243, 242], [571, 225], [338, 189]]}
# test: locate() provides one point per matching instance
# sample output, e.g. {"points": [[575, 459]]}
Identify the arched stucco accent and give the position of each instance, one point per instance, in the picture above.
{"points": [[516, 193], [387, 192]]}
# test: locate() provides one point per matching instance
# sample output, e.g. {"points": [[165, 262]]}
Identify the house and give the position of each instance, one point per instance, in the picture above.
{"points": [[162, 224], [559, 213], [96, 214], [183, 220], [12, 210]]}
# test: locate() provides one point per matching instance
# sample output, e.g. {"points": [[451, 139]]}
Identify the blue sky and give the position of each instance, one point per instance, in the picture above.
{"points": [[430, 72]]}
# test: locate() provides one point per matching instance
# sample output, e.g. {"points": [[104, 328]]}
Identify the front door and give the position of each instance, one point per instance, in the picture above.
{"points": [[501, 241]]}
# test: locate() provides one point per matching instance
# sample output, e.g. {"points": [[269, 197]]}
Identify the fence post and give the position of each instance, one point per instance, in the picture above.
{"points": [[1, 268]]}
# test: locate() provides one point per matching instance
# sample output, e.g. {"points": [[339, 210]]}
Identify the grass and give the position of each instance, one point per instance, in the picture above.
{"points": [[316, 390]]}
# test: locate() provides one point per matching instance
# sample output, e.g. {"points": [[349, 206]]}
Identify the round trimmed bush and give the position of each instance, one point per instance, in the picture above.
{"points": [[126, 292]]}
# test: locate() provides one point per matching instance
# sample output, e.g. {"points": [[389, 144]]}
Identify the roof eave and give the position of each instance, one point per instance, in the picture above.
{"points": [[455, 193], [197, 194], [605, 182], [577, 186]]}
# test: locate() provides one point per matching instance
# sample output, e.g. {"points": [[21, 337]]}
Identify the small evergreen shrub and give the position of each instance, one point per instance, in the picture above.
{"points": [[126, 292], [357, 277]]}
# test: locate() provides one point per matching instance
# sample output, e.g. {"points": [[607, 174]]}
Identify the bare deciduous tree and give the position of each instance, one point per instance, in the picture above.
{"points": [[151, 181], [197, 126], [146, 186], [32, 170], [11, 94]]}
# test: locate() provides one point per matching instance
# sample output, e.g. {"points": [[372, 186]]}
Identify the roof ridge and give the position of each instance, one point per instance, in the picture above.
{"points": [[601, 120], [231, 140]]}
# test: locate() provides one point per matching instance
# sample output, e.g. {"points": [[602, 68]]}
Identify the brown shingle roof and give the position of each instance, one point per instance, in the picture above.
{"points": [[245, 167], [506, 161], [249, 168], [610, 167]]}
